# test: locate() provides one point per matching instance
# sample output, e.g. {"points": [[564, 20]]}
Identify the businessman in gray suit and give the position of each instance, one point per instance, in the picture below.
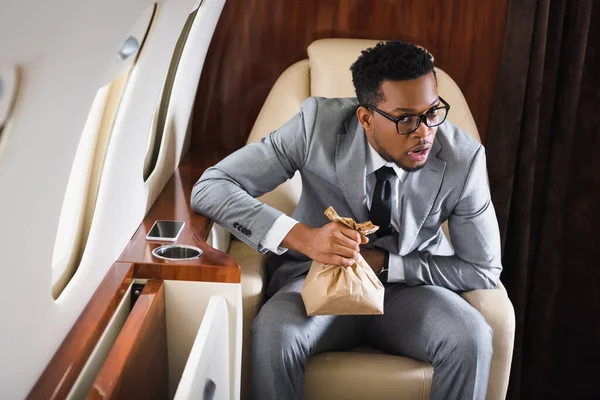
{"points": [[391, 157]]}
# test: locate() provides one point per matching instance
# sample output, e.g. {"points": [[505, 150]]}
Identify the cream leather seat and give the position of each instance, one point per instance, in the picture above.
{"points": [[361, 373]]}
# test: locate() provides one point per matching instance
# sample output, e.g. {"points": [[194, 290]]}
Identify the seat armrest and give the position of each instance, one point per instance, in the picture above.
{"points": [[254, 275], [497, 309], [219, 238]]}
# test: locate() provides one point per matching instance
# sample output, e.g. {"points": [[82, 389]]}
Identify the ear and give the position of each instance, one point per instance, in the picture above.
{"points": [[365, 118]]}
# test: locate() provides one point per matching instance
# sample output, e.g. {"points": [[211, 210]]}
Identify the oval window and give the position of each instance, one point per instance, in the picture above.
{"points": [[82, 188]]}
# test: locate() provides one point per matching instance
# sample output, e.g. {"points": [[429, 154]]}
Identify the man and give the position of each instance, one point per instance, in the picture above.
{"points": [[388, 156]]}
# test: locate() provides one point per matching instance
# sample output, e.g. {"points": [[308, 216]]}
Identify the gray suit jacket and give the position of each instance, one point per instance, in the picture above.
{"points": [[327, 144]]}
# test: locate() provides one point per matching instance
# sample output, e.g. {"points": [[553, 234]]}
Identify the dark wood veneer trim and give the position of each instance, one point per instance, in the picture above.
{"points": [[61, 373], [137, 365]]}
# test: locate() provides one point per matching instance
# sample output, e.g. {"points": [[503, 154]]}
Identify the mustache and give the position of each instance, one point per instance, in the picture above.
{"points": [[423, 145]]}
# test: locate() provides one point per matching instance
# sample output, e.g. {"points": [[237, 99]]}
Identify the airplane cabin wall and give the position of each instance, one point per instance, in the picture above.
{"points": [[63, 49], [257, 40]]}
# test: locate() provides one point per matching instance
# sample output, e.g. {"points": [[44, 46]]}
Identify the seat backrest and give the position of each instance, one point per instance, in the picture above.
{"points": [[326, 73]]}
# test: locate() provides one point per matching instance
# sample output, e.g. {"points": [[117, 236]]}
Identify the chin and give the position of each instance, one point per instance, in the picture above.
{"points": [[408, 168]]}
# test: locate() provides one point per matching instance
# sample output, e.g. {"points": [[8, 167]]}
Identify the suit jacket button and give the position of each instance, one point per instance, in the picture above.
{"points": [[235, 224], [248, 232]]}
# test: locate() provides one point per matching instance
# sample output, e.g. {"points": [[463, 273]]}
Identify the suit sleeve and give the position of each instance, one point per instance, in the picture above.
{"points": [[475, 236], [226, 193]]}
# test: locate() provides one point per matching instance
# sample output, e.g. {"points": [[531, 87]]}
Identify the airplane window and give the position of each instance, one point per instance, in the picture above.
{"points": [[158, 125], [9, 84], [82, 188]]}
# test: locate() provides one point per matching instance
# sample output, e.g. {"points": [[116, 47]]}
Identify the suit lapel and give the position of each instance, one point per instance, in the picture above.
{"points": [[421, 191], [350, 167]]}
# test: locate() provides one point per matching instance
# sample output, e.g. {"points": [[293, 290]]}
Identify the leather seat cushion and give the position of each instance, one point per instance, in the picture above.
{"points": [[365, 373]]}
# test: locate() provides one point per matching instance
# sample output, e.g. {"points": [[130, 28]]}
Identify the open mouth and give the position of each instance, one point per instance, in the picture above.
{"points": [[419, 154]]}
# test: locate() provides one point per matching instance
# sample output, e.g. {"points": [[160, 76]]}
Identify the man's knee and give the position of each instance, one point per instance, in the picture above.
{"points": [[268, 330], [277, 356], [466, 338], [276, 337], [476, 340]]}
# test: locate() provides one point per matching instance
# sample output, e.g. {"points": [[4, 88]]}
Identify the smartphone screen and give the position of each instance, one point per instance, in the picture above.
{"points": [[165, 230]]}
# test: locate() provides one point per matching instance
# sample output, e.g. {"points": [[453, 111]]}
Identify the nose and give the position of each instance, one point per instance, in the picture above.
{"points": [[422, 132]]}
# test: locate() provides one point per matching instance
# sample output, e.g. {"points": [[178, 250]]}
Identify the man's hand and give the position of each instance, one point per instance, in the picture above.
{"points": [[334, 243], [375, 258]]}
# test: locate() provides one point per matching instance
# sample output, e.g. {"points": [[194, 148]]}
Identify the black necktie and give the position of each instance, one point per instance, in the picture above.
{"points": [[381, 204]]}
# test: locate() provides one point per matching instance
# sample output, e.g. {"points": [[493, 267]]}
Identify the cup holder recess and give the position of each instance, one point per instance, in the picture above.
{"points": [[178, 252]]}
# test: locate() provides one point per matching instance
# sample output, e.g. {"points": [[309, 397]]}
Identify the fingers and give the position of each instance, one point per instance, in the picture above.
{"points": [[345, 252], [351, 234], [344, 241], [341, 245], [346, 248], [338, 260], [345, 262]]}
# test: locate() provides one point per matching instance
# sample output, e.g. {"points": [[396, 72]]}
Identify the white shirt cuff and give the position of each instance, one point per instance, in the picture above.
{"points": [[396, 269], [278, 231]]}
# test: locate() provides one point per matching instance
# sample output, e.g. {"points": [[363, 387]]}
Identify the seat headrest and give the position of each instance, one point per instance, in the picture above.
{"points": [[330, 61], [330, 76]]}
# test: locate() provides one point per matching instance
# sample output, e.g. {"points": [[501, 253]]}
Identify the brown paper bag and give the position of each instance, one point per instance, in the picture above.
{"points": [[337, 290]]}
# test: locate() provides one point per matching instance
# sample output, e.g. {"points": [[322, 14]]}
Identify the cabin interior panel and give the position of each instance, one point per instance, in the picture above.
{"points": [[137, 365], [256, 40], [66, 54]]}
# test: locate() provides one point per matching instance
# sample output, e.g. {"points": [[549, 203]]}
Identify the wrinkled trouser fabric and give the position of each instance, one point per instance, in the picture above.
{"points": [[426, 323]]}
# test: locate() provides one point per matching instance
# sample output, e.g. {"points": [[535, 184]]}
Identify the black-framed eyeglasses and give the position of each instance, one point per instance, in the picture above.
{"points": [[409, 123]]}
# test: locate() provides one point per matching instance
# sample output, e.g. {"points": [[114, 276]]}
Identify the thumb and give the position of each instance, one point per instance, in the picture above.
{"points": [[364, 239]]}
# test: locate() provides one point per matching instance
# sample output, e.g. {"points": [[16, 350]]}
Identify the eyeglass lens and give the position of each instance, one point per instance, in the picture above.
{"points": [[434, 118]]}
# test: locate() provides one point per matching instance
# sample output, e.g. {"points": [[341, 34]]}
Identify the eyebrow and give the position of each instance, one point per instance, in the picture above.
{"points": [[413, 110]]}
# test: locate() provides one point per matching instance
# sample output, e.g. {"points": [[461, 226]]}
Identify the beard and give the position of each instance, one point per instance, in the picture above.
{"points": [[410, 169], [389, 158]]}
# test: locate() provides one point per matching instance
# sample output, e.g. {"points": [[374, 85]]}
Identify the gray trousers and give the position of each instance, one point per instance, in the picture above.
{"points": [[426, 323]]}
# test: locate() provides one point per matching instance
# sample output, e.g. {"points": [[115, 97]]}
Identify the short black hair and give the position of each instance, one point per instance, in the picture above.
{"points": [[394, 61]]}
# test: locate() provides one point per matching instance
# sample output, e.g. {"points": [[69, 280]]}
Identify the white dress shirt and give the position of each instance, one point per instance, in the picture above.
{"points": [[284, 224], [373, 162]]}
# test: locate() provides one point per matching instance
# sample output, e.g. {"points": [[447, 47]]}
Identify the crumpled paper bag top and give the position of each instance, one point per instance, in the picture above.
{"points": [[364, 228]]}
